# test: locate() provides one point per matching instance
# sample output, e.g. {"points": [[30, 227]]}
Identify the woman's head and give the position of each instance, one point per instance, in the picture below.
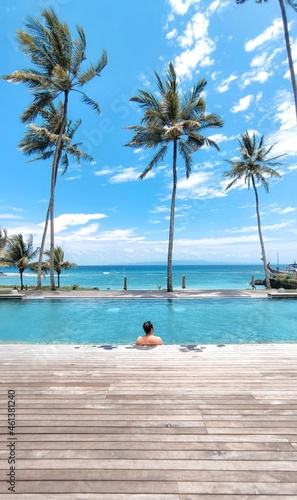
{"points": [[147, 326]]}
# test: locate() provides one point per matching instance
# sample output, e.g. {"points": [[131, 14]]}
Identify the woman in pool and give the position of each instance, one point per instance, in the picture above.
{"points": [[149, 338]]}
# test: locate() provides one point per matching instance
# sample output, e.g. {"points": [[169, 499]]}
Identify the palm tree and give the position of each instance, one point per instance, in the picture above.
{"points": [[57, 59], [254, 167], [3, 239], [177, 119], [41, 141], [18, 253], [293, 4], [59, 262]]}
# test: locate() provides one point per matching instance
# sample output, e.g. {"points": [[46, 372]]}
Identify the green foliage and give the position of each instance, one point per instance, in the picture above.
{"points": [[288, 282], [19, 253]]}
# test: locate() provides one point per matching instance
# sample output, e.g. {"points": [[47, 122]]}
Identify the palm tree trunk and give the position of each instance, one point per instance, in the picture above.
{"points": [[52, 198], [41, 251], [21, 278], [289, 52], [45, 230], [171, 224], [52, 240], [268, 285]]}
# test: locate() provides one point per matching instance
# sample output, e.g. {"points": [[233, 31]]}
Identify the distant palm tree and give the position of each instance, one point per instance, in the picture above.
{"points": [[18, 253], [293, 4], [41, 141], [3, 239], [59, 262], [58, 59], [254, 167], [177, 119]]}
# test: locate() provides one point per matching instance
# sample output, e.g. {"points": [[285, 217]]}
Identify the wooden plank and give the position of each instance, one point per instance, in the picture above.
{"points": [[170, 423]]}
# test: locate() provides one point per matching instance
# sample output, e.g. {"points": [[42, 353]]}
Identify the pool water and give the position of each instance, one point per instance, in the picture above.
{"points": [[177, 321]]}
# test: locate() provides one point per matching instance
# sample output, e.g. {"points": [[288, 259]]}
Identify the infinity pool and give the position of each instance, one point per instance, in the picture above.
{"points": [[177, 321]]}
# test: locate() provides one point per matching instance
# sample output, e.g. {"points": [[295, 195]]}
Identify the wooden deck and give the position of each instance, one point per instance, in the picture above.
{"points": [[172, 422]]}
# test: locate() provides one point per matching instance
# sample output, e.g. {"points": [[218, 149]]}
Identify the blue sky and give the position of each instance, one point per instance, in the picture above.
{"points": [[104, 213]]}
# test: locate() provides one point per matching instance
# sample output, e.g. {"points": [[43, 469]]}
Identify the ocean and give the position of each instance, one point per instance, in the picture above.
{"points": [[147, 277]]}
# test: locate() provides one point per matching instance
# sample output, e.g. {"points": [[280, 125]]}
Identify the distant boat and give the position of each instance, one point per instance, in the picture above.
{"points": [[292, 267]]}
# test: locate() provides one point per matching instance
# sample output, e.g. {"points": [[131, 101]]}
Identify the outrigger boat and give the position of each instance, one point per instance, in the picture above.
{"points": [[291, 269]]}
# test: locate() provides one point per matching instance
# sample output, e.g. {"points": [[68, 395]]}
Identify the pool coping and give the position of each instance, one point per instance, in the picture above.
{"points": [[150, 294]]}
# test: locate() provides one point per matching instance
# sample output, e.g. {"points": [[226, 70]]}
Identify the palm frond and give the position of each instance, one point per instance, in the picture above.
{"points": [[93, 70], [159, 156], [171, 82], [185, 150], [64, 161], [146, 100], [59, 38], [254, 163], [41, 100], [78, 56], [292, 3], [33, 79], [90, 102], [147, 138]]}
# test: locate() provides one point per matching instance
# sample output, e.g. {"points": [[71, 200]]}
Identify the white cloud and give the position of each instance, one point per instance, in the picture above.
{"points": [[197, 46], [128, 174], [63, 221], [196, 29], [172, 34], [243, 104], [284, 210], [200, 185], [190, 59], [225, 84], [180, 7], [264, 60], [285, 114], [86, 231], [104, 171], [255, 76], [217, 5], [194, 180], [119, 235], [160, 209], [219, 138], [284, 137], [271, 33], [211, 242], [294, 57], [252, 229], [10, 216]]}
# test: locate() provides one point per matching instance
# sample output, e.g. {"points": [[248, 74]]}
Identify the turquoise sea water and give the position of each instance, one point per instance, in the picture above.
{"points": [[149, 277], [177, 321]]}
